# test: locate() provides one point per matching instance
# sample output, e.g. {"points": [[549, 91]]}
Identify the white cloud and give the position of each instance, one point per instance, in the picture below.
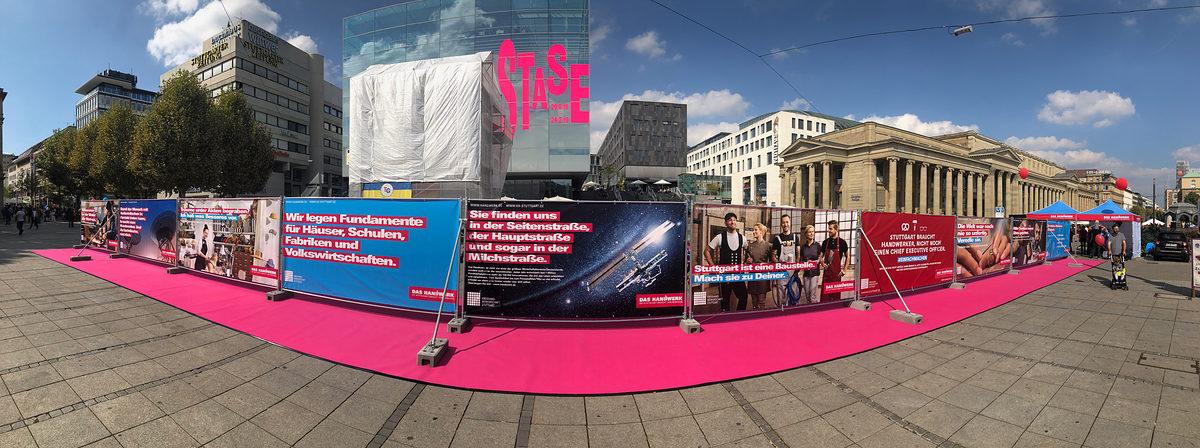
{"points": [[333, 71], [1024, 8], [597, 34], [1013, 39], [301, 41], [166, 8], [1043, 143], [176, 42], [1097, 107], [1189, 154], [1129, 21], [913, 123], [716, 104], [648, 44], [796, 104], [1140, 178]]}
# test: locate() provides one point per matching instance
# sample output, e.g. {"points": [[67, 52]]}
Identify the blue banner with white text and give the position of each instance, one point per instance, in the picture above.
{"points": [[387, 251], [1058, 239]]}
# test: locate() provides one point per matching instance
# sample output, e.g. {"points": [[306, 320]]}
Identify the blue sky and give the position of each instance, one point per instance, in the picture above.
{"points": [[1109, 92]]}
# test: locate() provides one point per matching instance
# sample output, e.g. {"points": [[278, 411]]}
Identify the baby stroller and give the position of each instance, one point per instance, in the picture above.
{"points": [[1118, 274]]}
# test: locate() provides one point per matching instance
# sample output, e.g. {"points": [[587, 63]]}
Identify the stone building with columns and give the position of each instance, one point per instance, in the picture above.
{"points": [[876, 167]]}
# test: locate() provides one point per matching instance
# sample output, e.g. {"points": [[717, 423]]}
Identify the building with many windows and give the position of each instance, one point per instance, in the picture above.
{"points": [[751, 154], [542, 48], [647, 141], [107, 89], [17, 172], [876, 167], [286, 88]]}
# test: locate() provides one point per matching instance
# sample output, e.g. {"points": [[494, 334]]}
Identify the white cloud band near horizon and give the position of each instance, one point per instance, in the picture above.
{"points": [[184, 25]]}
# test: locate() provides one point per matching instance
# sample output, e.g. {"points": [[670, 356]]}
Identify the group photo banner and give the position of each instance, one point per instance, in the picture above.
{"points": [[392, 252], [1058, 239], [567, 259], [916, 251], [748, 258], [984, 247], [1029, 241], [146, 228], [98, 224], [234, 238]]}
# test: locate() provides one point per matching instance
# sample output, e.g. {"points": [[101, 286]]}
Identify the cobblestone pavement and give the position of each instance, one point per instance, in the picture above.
{"points": [[84, 362]]}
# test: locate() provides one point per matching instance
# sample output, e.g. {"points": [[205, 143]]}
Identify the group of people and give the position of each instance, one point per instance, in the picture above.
{"points": [[28, 216], [801, 286], [1114, 242]]}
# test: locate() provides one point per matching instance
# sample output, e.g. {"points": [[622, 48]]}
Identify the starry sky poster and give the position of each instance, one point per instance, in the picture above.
{"points": [[587, 260]]}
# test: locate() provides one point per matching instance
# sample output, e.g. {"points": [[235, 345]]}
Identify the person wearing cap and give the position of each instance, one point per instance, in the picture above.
{"points": [[729, 248]]}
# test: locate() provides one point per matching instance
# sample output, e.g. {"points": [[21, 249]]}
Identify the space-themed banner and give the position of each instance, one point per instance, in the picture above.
{"points": [[587, 260], [984, 247], [1029, 241], [146, 228], [388, 251], [906, 250], [235, 238], [749, 257], [98, 224], [1058, 239]]}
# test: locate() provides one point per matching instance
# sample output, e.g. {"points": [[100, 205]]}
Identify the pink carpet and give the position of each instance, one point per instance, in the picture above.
{"points": [[575, 358]]}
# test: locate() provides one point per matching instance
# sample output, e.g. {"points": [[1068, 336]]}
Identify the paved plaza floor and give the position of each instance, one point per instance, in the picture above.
{"points": [[86, 363]]}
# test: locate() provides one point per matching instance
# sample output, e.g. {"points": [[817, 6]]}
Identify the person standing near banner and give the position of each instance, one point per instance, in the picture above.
{"points": [[833, 259], [759, 251], [810, 251], [783, 249], [730, 246]]}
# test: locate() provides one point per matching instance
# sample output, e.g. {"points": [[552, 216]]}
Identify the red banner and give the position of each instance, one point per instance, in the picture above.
{"points": [[915, 250]]}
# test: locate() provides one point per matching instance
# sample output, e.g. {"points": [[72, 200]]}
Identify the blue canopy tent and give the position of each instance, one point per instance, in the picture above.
{"points": [[1110, 213], [1057, 211]]}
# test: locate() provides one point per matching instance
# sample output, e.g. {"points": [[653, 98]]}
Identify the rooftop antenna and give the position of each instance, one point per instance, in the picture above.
{"points": [[230, 22]]}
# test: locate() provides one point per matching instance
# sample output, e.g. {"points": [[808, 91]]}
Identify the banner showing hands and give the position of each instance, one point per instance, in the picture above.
{"points": [[983, 247]]}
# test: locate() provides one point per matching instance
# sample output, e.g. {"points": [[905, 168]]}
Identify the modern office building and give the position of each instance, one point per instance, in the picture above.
{"points": [[286, 88], [543, 50], [647, 141], [107, 89], [875, 167], [751, 154], [596, 169]]}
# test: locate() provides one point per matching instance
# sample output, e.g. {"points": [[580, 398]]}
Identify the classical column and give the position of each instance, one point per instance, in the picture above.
{"points": [[1011, 195], [937, 189], [908, 187], [923, 190], [811, 200], [785, 187], [798, 187], [962, 193], [825, 184], [949, 210], [892, 206], [989, 194], [971, 194]]}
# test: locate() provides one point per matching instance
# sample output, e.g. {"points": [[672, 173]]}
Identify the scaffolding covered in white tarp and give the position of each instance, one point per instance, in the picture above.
{"points": [[437, 123]]}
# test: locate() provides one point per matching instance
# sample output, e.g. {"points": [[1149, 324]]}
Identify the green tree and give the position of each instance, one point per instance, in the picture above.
{"points": [[111, 152], [54, 162], [81, 159], [243, 153], [1191, 198], [172, 146]]}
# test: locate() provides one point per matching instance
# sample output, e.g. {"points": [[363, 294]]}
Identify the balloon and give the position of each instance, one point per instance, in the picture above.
{"points": [[1122, 183], [1100, 239], [1179, 173], [1024, 173]]}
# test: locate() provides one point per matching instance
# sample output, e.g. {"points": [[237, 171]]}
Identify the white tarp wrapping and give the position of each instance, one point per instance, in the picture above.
{"points": [[427, 121]]}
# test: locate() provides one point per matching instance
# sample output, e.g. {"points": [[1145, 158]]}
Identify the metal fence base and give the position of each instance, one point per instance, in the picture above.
{"points": [[176, 270], [1013, 272], [276, 296], [459, 325], [1075, 265], [906, 317], [432, 352], [958, 285], [1047, 262], [861, 305], [81, 258], [118, 255], [77, 246], [690, 326]]}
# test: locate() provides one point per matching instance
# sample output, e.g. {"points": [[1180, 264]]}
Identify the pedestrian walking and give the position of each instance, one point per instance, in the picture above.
{"points": [[34, 218], [70, 212], [20, 222], [7, 215]]}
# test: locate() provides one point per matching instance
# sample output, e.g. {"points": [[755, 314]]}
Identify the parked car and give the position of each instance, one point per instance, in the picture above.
{"points": [[1171, 245]]}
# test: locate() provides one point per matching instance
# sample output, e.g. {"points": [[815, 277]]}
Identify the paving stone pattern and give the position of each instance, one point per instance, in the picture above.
{"points": [[84, 362]]}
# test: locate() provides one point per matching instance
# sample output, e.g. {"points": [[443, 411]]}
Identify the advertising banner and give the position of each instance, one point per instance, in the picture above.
{"points": [[915, 250], [1058, 239], [146, 229], [1029, 241], [1194, 256], [984, 246], [748, 258], [98, 224], [565, 259], [235, 238], [385, 251]]}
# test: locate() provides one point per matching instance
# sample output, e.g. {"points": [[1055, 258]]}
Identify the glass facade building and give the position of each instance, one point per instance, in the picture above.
{"points": [[551, 150], [107, 89]]}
